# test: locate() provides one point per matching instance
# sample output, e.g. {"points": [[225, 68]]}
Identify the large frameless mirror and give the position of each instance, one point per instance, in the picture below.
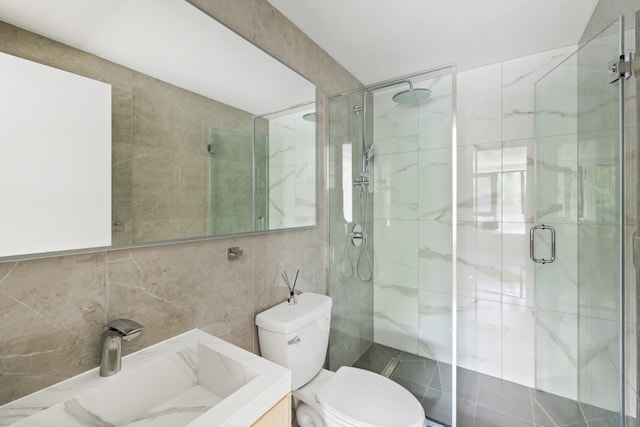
{"points": [[192, 145]]}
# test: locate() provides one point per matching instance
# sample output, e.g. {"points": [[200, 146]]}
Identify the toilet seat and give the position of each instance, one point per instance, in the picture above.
{"points": [[365, 399]]}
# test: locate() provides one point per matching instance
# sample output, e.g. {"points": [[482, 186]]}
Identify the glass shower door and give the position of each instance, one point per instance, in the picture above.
{"points": [[576, 239]]}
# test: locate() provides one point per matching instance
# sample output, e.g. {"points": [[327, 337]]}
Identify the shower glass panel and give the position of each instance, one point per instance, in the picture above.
{"points": [[392, 280], [577, 179]]}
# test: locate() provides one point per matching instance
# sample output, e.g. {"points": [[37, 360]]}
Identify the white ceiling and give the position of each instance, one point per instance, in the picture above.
{"points": [[378, 40]]}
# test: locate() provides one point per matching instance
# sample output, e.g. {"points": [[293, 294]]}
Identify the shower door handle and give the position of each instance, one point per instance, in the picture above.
{"points": [[532, 244]]}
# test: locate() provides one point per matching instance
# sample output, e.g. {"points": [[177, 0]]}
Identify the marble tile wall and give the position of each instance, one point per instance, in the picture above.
{"points": [[292, 197], [412, 219], [52, 309], [495, 288]]}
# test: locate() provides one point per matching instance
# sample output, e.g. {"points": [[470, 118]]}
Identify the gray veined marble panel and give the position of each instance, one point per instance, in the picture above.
{"points": [[395, 317], [599, 345], [557, 100], [435, 191], [479, 338], [478, 187], [435, 317], [518, 101], [479, 268], [557, 353], [435, 114], [479, 107], [395, 193], [434, 256], [557, 283], [518, 344], [395, 260], [556, 167]]}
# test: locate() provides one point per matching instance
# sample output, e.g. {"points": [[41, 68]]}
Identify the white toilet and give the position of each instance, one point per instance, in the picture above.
{"points": [[296, 336]]}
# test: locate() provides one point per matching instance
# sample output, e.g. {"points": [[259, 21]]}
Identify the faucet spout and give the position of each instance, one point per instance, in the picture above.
{"points": [[111, 344]]}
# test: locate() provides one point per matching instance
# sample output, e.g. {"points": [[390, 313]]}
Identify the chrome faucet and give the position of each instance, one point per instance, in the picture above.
{"points": [[111, 344]]}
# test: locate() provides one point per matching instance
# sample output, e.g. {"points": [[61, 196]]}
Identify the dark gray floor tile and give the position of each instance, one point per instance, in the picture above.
{"points": [[467, 381], [377, 357], [612, 421], [442, 378], [486, 417], [437, 405], [410, 356], [561, 410], [505, 397], [465, 412], [418, 390], [368, 368], [593, 413], [416, 371], [539, 415]]}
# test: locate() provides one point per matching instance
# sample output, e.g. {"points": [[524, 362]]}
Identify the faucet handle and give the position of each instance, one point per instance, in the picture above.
{"points": [[128, 329]]}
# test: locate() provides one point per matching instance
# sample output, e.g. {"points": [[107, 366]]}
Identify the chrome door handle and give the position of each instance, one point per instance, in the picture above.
{"points": [[532, 245]]}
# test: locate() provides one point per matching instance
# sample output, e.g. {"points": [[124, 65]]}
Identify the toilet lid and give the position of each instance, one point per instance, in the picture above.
{"points": [[366, 399]]}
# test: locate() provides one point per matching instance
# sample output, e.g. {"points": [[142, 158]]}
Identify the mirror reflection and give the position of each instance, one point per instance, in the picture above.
{"points": [[191, 109]]}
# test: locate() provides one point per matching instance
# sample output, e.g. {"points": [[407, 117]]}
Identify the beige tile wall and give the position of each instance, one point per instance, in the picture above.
{"points": [[52, 309]]}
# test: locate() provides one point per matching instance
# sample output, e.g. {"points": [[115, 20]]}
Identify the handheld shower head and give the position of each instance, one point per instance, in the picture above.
{"points": [[368, 152]]}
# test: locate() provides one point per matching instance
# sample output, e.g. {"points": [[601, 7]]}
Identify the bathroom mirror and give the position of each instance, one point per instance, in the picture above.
{"points": [[205, 139]]}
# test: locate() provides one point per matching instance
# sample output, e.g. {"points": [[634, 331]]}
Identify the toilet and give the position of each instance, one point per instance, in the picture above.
{"points": [[296, 336]]}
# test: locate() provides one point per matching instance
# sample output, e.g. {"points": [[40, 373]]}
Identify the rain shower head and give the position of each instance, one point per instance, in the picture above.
{"points": [[412, 96]]}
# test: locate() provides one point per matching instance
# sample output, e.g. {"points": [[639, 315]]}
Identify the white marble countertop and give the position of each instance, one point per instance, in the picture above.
{"points": [[249, 387]]}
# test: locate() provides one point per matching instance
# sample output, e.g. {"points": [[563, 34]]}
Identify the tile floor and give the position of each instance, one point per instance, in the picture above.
{"points": [[483, 401]]}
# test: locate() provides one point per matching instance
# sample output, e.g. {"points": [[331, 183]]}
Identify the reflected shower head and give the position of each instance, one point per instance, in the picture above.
{"points": [[310, 117], [412, 96]]}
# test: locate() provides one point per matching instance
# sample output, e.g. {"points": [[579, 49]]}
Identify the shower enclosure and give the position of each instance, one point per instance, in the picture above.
{"points": [[502, 257], [392, 233]]}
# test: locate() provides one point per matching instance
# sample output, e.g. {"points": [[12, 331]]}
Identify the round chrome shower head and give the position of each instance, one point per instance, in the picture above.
{"points": [[412, 96]]}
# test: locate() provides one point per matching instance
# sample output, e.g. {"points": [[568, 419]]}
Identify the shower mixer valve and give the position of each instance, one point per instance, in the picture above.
{"points": [[358, 235]]}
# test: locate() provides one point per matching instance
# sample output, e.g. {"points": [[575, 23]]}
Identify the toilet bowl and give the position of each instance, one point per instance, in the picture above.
{"points": [[355, 397], [296, 336]]}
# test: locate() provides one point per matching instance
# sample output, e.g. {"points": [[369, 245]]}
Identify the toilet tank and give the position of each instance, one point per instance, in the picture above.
{"points": [[296, 336]]}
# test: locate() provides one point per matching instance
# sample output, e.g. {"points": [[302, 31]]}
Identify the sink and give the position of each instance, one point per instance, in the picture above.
{"points": [[194, 379]]}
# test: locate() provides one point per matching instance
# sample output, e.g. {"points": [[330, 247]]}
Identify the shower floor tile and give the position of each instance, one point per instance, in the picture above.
{"points": [[482, 400]]}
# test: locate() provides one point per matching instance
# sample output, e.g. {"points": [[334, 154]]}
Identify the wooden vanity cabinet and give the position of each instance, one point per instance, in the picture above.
{"points": [[278, 416]]}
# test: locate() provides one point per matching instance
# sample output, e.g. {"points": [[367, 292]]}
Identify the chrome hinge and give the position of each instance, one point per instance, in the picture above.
{"points": [[622, 67]]}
